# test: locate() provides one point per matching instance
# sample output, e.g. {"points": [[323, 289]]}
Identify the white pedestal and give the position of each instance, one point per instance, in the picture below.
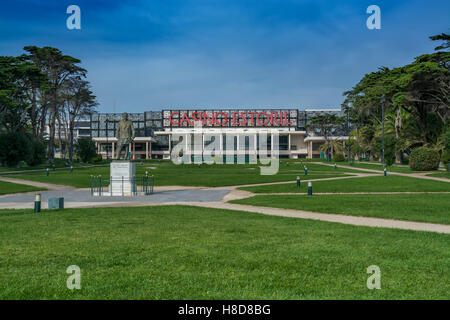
{"points": [[122, 175]]}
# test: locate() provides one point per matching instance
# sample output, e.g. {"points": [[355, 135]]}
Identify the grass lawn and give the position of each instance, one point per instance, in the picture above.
{"points": [[59, 163], [367, 184], [180, 252], [441, 174], [377, 166], [433, 208], [8, 187], [167, 173]]}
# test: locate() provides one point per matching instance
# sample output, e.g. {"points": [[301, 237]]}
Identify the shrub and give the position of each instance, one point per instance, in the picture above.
{"points": [[446, 158], [85, 149], [37, 152], [15, 147], [423, 159], [338, 157], [97, 159]]}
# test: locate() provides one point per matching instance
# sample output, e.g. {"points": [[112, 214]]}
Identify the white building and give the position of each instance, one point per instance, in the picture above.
{"points": [[155, 131]]}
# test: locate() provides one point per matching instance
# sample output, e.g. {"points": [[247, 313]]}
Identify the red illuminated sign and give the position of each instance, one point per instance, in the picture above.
{"points": [[269, 118]]}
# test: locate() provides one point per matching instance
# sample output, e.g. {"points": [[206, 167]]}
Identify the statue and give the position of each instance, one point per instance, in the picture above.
{"points": [[125, 135]]}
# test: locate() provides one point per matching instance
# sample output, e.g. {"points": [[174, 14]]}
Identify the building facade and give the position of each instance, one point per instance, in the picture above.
{"points": [[155, 131]]}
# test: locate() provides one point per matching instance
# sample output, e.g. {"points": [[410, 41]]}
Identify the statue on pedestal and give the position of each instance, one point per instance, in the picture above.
{"points": [[124, 135]]}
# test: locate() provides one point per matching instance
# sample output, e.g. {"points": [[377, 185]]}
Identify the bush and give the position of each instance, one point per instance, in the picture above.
{"points": [[338, 157], [424, 159], [15, 146], [85, 149], [446, 158], [37, 152], [97, 159]]}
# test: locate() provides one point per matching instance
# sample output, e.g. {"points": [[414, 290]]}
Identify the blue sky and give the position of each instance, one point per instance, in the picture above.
{"points": [[149, 55]]}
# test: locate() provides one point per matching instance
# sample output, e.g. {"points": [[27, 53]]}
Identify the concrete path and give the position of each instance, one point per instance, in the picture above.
{"points": [[48, 186], [338, 218], [80, 198], [421, 175], [303, 179]]}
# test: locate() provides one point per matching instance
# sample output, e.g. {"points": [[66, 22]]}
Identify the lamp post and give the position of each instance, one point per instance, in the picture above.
{"points": [[383, 99]]}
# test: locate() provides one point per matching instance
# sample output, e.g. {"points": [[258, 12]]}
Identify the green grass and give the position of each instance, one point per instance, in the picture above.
{"points": [[8, 188], [379, 167], [367, 184], [167, 173], [442, 174], [180, 252], [59, 163], [433, 208]]}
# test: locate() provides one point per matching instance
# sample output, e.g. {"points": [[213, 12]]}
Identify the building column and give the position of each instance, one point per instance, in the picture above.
{"points": [[146, 149], [271, 143], [310, 149], [98, 147], [170, 143], [113, 156], [134, 150], [289, 142], [150, 150]]}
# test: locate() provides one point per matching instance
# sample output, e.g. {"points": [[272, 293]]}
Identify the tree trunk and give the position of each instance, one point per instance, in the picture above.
{"points": [[71, 126], [51, 140], [398, 127]]}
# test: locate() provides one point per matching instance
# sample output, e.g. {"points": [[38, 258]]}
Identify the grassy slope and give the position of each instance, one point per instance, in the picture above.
{"points": [[442, 174], [8, 187], [191, 175], [367, 184], [197, 253], [433, 208]]}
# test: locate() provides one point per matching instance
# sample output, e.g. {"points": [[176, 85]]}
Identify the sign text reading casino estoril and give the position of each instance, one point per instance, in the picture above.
{"points": [[230, 118]]}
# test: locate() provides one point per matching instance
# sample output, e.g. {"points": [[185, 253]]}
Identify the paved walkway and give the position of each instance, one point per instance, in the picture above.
{"points": [[421, 175], [48, 186]]}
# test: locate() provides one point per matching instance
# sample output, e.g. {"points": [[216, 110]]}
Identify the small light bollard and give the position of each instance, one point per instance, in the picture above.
{"points": [[298, 181], [309, 188], [306, 170], [47, 171], [385, 172], [53, 167], [335, 166], [71, 169], [37, 203]]}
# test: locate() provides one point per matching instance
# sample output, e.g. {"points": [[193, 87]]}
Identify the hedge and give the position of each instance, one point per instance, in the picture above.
{"points": [[424, 159]]}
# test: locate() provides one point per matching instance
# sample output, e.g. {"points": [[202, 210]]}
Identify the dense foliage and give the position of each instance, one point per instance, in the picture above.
{"points": [[415, 101], [16, 147], [43, 87], [423, 159], [85, 149]]}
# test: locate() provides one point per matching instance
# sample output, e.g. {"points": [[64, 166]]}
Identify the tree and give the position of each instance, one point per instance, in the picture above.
{"points": [[16, 76], [79, 102], [21, 150], [58, 68], [417, 100], [86, 149], [326, 125]]}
